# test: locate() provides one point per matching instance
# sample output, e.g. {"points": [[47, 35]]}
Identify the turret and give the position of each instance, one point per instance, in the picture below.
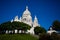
{"points": [[16, 18], [35, 23], [12, 20]]}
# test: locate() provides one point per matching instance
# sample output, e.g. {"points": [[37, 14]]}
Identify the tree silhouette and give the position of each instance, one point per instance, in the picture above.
{"points": [[56, 25], [38, 30]]}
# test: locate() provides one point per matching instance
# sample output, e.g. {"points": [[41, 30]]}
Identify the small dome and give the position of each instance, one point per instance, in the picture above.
{"points": [[26, 12]]}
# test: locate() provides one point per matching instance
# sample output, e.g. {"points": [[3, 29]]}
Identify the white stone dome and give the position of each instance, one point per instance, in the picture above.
{"points": [[26, 12], [29, 17]]}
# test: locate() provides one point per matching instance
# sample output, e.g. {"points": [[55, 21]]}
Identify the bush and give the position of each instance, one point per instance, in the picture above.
{"points": [[44, 36], [53, 36]]}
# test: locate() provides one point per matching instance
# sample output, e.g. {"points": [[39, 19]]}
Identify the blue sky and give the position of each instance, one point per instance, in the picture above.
{"points": [[46, 10]]}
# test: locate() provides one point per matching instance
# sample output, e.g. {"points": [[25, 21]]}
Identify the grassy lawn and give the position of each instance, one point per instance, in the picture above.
{"points": [[17, 37]]}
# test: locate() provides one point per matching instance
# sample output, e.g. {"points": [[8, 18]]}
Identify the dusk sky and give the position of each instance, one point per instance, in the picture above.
{"points": [[46, 10]]}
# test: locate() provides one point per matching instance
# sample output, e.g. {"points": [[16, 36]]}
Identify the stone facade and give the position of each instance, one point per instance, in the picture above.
{"points": [[26, 18]]}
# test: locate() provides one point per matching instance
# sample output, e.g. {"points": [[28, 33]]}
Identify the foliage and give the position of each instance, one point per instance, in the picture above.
{"points": [[53, 36], [56, 25], [17, 37], [38, 30], [14, 25], [6, 26], [20, 25]]}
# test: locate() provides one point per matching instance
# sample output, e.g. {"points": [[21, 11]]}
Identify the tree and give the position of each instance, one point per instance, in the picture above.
{"points": [[56, 25], [14, 25], [38, 30], [6, 26], [20, 25]]}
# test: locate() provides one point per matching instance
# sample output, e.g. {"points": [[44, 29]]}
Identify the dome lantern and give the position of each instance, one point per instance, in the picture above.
{"points": [[26, 12]]}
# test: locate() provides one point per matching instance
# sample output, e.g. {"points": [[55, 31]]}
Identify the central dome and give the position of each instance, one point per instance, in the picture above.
{"points": [[26, 12]]}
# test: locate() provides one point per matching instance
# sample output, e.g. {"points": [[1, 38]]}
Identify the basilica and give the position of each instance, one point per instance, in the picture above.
{"points": [[27, 18]]}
